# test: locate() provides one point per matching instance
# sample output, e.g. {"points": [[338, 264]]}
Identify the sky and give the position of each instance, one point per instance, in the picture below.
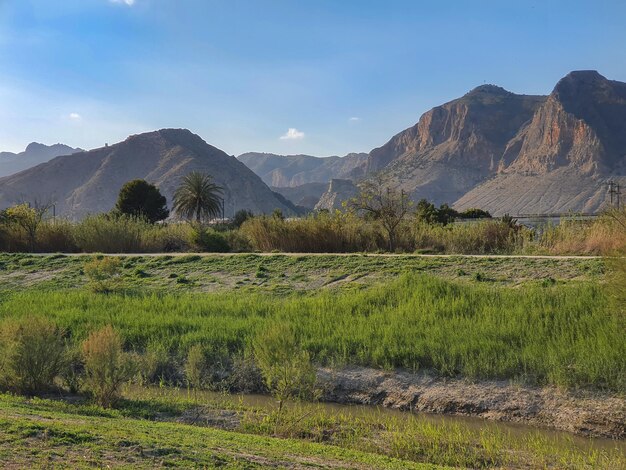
{"points": [[321, 77]]}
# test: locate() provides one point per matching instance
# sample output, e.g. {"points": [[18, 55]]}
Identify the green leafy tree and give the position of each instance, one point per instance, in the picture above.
{"points": [[240, 217], [141, 199], [28, 219], [198, 197]]}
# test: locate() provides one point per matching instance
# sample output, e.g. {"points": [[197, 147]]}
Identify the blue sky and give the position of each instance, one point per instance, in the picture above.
{"points": [[324, 77]]}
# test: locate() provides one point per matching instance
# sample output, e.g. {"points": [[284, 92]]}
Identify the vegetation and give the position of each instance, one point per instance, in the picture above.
{"points": [[32, 354], [107, 366], [285, 365], [388, 225], [138, 198], [542, 333], [198, 197], [153, 427], [386, 205]]}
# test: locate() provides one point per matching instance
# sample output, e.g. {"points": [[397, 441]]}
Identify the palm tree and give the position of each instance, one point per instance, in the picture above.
{"points": [[198, 196]]}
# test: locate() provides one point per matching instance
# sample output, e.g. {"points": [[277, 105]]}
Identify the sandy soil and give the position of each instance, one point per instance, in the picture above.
{"points": [[586, 413]]}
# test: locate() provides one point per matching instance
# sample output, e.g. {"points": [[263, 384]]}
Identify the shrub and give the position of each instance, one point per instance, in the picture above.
{"points": [[110, 234], [103, 274], [56, 236], [31, 354], [107, 366], [195, 367], [285, 366], [206, 239]]}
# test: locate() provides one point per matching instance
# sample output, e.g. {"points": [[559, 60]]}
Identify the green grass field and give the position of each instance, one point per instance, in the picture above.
{"points": [[545, 331], [537, 321], [283, 273], [165, 428]]}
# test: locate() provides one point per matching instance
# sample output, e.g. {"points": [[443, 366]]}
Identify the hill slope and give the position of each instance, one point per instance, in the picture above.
{"points": [[34, 154], [88, 182], [296, 170], [561, 160], [454, 146]]}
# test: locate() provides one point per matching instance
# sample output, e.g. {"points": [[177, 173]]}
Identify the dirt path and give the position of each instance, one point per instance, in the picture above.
{"points": [[585, 413], [382, 255]]}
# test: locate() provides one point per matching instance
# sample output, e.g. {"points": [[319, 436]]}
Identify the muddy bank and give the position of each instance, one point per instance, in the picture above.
{"points": [[585, 413]]}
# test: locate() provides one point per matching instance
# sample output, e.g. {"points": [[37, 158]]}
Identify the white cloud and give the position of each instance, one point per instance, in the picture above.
{"points": [[292, 134], [130, 3], [75, 117], [354, 119]]}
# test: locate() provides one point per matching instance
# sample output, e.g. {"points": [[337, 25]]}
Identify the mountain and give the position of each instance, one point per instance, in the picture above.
{"points": [[88, 182], [338, 191], [455, 146], [562, 158], [306, 195], [34, 154], [295, 170]]}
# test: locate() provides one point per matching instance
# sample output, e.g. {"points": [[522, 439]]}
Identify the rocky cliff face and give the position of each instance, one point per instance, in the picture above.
{"points": [[88, 182], [338, 191], [515, 153], [34, 154], [561, 159], [455, 146], [295, 170]]}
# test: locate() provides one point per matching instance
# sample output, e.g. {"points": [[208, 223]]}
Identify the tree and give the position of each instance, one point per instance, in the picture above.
{"points": [[387, 205], [198, 197], [240, 217], [142, 199], [28, 218]]}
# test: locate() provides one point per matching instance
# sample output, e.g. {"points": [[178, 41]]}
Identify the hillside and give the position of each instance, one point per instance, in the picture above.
{"points": [[34, 154], [454, 146], [561, 160], [295, 170], [88, 182], [512, 153], [305, 195]]}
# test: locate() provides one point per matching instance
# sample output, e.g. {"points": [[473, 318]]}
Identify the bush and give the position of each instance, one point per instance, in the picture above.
{"points": [[110, 234], [31, 354], [195, 367], [107, 366], [103, 274], [206, 239], [284, 364], [56, 236]]}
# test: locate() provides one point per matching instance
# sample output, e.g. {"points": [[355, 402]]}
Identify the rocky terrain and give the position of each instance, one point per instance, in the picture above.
{"points": [[88, 182], [295, 170], [589, 414], [306, 195], [34, 154], [561, 160], [338, 191]]}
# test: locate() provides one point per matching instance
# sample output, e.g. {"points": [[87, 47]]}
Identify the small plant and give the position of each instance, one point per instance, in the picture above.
{"points": [[31, 354], [107, 366], [103, 274], [285, 366], [195, 367]]}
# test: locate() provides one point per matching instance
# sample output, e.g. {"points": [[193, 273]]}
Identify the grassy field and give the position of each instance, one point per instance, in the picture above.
{"points": [[533, 320], [165, 428], [50, 435], [284, 274], [544, 331]]}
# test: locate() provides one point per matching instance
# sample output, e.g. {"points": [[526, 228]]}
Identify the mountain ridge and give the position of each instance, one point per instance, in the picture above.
{"points": [[88, 182]]}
